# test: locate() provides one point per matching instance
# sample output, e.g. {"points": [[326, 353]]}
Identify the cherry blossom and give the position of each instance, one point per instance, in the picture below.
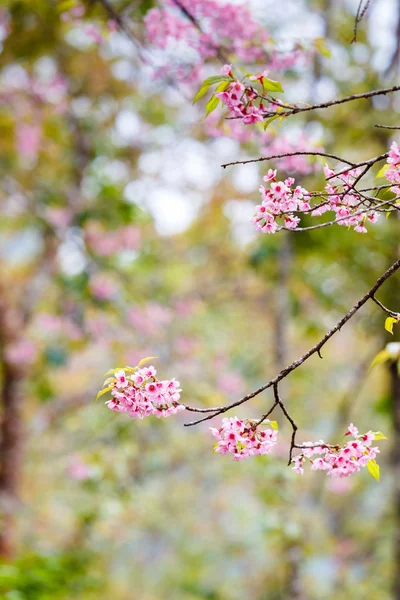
{"points": [[242, 438], [138, 392], [279, 202], [341, 460]]}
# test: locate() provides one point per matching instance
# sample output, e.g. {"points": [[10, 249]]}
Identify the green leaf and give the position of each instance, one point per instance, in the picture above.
{"points": [[390, 321], [216, 79], [104, 391], [381, 172], [373, 469], [274, 425], [145, 360], [211, 104], [222, 86], [202, 91], [211, 81], [321, 45], [271, 85], [112, 371], [268, 121], [381, 357], [378, 435]]}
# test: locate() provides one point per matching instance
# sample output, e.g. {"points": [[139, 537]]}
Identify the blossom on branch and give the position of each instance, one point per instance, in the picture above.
{"points": [[341, 460], [138, 392], [243, 438]]}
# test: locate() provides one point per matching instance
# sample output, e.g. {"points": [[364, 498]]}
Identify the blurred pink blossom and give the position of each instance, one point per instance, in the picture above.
{"points": [[102, 287], [21, 352], [78, 469], [28, 138], [231, 383]]}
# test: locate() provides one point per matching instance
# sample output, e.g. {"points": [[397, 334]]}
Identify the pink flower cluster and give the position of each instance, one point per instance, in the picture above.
{"points": [[238, 98], [139, 393], [106, 243], [171, 27], [346, 202], [392, 173], [242, 438], [280, 201], [150, 318], [340, 460], [284, 144]]}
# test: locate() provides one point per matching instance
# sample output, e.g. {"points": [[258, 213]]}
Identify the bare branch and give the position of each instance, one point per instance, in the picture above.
{"points": [[274, 156], [391, 313], [386, 127], [359, 17], [297, 363]]}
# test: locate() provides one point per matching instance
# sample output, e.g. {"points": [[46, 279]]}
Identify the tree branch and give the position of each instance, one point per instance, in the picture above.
{"points": [[297, 363]]}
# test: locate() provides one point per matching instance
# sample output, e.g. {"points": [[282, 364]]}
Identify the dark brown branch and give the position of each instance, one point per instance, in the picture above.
{"points": [[391, 313], [359, 17], [297, 109], [289, 418], [386, 127], [274, 156], [297, 363]]}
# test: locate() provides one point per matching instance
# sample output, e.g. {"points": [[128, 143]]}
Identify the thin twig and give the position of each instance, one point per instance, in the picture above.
{"points": [[386, 127], [287, 154], [359, 17], [391, 313], [297, 363]]}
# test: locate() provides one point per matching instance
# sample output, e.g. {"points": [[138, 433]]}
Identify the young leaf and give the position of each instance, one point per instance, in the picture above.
{"points": [[381, 172], [268, 121], [272, 86], [211, 104], [381, 357], [222, 86], [274, 425], [390, 321], [104, 391], [378, 435], [202, 91], [321, 46], [216, 79], [211, 81], [112, 371], [373, 469], [145, 360]]}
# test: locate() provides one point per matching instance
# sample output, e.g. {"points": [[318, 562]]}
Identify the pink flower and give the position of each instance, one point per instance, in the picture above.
{"points": [[141, 394], [352, 430], [151, 388], [339, 461], [227, 70], [138, 379], [270, 176], [360, 229], [319, 465], [121, 380], [328, 172], [242, 439], [291, 222]]}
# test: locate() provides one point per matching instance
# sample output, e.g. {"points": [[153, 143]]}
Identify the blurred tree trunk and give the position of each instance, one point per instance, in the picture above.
{"points": [[10, 429], [292, 585]]}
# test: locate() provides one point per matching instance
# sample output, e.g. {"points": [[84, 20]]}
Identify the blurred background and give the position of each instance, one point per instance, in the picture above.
{"points": [[122, 237]]}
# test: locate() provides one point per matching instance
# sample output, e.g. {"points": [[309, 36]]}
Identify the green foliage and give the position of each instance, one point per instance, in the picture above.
{"points": [[41, 577]]}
